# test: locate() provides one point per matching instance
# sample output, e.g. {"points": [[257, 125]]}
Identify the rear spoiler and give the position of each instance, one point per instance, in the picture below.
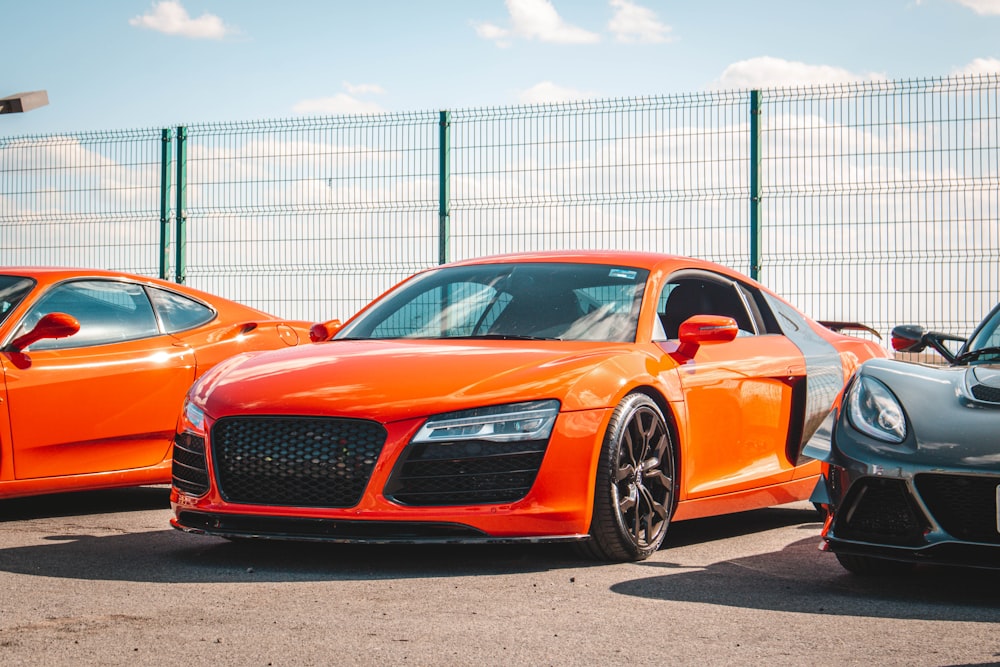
{"points": [[849, 326]]}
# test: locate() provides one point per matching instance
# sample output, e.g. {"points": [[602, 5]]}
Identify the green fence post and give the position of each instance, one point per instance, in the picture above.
{"points": [[165, 152], [444, 188], [181, 244], [755, 236]]}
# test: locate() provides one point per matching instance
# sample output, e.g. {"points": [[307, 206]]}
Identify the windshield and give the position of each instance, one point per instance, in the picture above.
{"points": [[13, 289], [558, 301], [986, 339]]}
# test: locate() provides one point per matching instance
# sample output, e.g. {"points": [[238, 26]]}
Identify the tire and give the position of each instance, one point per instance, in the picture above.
{"points": [[635, 488], [869, 566]]}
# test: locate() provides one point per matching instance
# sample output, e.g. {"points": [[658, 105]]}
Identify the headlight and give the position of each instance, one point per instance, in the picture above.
{"points": [[873, 410], [500, 423], [192, 419]]}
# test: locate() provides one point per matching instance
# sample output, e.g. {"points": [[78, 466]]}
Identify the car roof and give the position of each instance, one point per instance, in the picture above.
{"points": [[638, 259]]}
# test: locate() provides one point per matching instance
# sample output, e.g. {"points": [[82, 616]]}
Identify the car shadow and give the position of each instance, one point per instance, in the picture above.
{"points": [[801, 579], [798, 578], [80, 503], [170, 556]]}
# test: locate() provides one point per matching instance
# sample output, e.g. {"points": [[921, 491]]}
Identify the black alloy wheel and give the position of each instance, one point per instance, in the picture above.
{"points": [[635, 489]]}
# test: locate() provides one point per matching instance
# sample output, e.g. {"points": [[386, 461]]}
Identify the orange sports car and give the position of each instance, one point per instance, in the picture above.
{"points": [[95, 366], [591, 397]]}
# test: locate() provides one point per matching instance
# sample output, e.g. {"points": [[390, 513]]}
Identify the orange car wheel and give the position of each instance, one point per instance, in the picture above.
{"points": [[635, 488]]}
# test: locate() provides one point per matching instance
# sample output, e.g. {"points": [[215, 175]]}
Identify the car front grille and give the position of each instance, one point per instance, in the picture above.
{"points": [[295, 461], [964, 505], [465, 473], [189, 470], [880, 510]]}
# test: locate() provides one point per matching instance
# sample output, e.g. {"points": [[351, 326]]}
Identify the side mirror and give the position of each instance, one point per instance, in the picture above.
{"points": [[915, 338], [53, 325], [322, 331], [909, 338], [705, 329]]}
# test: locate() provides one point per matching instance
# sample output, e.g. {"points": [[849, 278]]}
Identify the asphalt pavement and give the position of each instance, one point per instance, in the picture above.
{"points": [[101, 579]]}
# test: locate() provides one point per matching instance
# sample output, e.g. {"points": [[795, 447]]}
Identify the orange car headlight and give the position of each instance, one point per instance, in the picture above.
{"points": [[532, 420]]}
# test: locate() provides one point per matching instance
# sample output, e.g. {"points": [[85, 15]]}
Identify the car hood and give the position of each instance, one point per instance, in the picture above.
{"points": [[390, 380], [953, 412]]}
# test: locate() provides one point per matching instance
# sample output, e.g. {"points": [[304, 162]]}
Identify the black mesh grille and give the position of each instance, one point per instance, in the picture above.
{"points": [[880, 510], [189, 469], [986, 393], [465, 473], [295, 461], [964, 505]]}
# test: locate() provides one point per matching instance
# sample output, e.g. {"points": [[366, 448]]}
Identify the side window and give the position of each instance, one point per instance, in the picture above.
{"points": [[703, 294], [108, 312], [177, 312]]}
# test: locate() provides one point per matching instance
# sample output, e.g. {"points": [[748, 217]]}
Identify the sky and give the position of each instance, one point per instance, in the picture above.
{"points": [[126, 64]]}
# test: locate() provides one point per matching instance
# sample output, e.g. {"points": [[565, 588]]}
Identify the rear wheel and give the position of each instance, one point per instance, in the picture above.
{"points": [[635, 488], [866, 565]]}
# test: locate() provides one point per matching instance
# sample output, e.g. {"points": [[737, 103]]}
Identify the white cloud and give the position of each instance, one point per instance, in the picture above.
{"points": [[363, 88], [768, 72], [632, 23], [341, 103], [547, 92], [171, 18], [493, 33], [535, 20], [979, 66], [982, 7]]}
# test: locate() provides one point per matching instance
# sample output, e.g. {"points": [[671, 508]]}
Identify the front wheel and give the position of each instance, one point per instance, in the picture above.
{"points": [[635, 489]]}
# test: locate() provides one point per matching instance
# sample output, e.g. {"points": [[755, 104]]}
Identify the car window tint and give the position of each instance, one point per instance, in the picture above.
{"points": [[108, 312], [178, 312]]}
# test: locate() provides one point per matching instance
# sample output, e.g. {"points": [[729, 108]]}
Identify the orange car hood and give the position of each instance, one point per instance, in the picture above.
{"points": [[390, 380]]}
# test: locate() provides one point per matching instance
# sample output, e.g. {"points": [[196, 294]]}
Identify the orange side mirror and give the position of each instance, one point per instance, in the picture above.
{"points": [[322, 331], [53, 325], [705, 329]]}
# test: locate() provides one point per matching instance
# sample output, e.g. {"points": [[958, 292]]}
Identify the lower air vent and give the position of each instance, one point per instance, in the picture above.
{"points": [[465, 473], [189, 469], [880, 510], [964, 505]]}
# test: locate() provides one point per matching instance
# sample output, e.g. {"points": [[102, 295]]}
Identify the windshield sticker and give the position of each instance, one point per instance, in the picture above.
{"points": [[627, 274]]}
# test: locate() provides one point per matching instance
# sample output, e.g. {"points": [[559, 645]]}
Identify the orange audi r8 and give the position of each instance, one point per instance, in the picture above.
{"points": [[592, 397], [95, 366]]}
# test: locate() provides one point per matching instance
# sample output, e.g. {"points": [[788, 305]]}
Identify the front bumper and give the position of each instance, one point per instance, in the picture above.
{"points": [[556, 507], [885, 502]]}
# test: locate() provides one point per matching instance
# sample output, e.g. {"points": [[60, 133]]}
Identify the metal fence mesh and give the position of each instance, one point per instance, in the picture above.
{"points": [[90, 199], [882, 201], [311, 217], [879, 202]]}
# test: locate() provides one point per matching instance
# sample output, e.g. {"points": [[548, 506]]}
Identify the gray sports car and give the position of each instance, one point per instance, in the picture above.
{"points": [[913, 457]]}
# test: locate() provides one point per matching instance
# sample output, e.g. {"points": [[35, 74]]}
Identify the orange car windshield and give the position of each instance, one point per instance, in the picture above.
{"points": [[536, 301], [13, 289]]}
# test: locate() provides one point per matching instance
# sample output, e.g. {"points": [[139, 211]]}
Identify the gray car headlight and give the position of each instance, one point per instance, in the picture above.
{"points": [[532, 420], [873, 410]]}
